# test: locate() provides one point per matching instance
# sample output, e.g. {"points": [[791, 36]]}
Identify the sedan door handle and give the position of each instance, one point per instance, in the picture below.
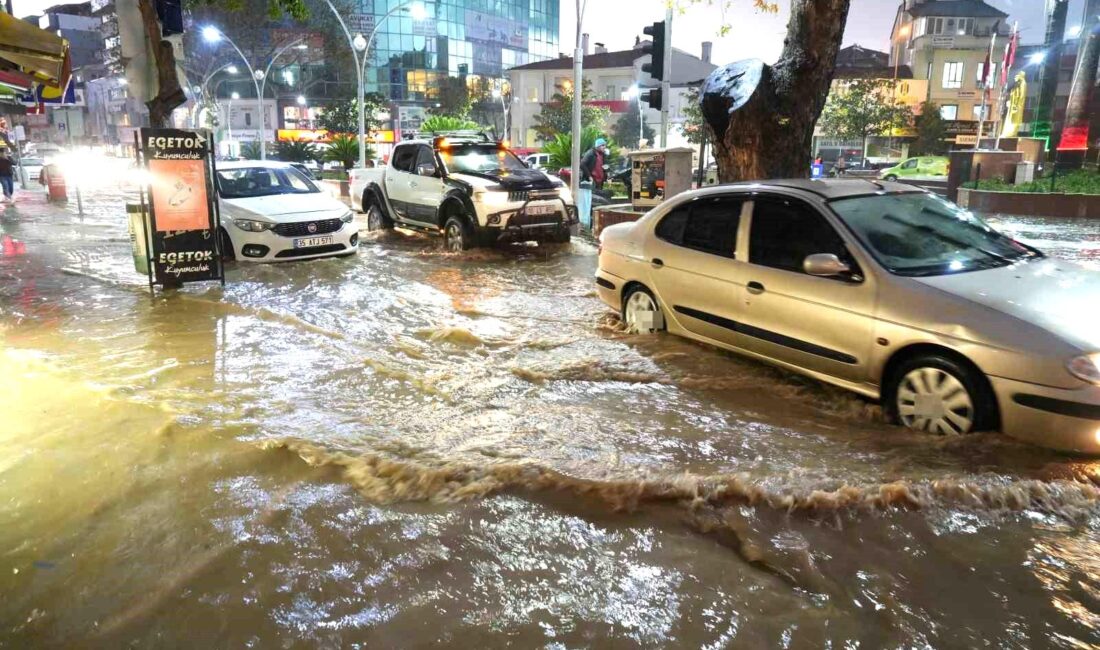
{"points": [[755, 288], [657, 262]]}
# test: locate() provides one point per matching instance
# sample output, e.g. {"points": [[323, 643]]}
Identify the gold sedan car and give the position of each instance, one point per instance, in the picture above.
{"points": [[888, 291]]}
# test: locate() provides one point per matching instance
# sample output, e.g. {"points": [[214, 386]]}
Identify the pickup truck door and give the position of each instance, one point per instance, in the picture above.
{"points": [[425, 188], [398, 176]]}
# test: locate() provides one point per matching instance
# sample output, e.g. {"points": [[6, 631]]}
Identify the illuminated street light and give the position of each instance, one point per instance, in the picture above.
{"points": [[301, 100], [232, 69], [1075, 31], [418, 12], [359, 43], [211, 34], [1037, 58], [235, 95]]}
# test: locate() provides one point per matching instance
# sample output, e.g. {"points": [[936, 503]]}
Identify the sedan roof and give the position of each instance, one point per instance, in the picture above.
{"points": [[249, 164], [829, 188]]}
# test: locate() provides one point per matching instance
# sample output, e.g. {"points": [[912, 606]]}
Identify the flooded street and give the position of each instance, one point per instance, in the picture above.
{"points": [[409, 448]]}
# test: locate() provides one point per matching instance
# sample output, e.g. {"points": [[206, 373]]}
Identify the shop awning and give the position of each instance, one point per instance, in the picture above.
{"points": [[32, 52]]}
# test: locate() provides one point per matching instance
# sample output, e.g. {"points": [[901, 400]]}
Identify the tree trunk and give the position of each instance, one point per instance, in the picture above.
{"points": [[761, 118], [1075, 133], [169, 94]]}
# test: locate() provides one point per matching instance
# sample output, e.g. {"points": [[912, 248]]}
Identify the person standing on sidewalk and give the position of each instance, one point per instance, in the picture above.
{"points": [[7, 171], [592, 164]]}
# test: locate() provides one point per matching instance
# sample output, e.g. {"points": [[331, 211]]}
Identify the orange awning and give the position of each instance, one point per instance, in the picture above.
{"points": [[34, 52]]}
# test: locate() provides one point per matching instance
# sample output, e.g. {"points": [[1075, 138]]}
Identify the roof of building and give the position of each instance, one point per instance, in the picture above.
{"points": [[877, 72], [621, 59], [859, 56], [957, 9]]}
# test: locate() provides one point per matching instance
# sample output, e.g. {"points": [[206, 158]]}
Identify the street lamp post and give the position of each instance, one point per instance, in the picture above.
{"points": [[201, 90], [635, 93], [498, 93], [360, 52], [214, 35]]}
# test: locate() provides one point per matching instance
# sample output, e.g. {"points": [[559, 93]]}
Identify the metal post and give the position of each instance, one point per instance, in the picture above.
{"points": [[666, 83], [69, 140], [578, 85]]}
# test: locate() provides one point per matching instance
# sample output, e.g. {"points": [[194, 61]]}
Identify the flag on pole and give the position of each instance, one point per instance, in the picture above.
{"points": [[1010, 54]]}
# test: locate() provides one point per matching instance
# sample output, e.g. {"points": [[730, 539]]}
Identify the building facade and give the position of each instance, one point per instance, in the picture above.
{"points": [[946, 43], [612, 76]]}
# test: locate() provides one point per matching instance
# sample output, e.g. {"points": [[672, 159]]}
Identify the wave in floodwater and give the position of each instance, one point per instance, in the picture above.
{"points": [[382, 478]]}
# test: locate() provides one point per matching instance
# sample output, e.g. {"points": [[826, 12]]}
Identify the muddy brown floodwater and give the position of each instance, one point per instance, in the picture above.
{"points": [[410, 448]]}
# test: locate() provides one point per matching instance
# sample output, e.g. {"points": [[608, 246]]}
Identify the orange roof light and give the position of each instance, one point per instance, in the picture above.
{"points": [[443, 143], [505, 144]]}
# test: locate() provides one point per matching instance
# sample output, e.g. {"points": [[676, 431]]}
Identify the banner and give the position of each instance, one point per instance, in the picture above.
{"points": [[494, 29], [182, 217]]}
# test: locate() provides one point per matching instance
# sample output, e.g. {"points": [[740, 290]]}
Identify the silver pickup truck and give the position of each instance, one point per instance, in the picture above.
{"points": [[471, 189]]}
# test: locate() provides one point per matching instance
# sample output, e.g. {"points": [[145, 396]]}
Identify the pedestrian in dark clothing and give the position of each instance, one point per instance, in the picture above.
{"points": [[592, 164], [7, 169]]}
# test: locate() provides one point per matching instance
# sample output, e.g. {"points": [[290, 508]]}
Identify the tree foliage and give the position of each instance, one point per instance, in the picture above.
{"points": [[445, 123], [931, 131], [453, 98], [556, 115], [344, 149], [561, 147], [863, 108], [298, 151], [626, 129], [250, 150], [724, 6], [343, 116], [694, 126]]}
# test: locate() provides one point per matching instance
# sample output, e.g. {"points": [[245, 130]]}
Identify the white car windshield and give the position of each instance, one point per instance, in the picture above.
{"points": [[262, 181], [480, 159], [918, 234]]}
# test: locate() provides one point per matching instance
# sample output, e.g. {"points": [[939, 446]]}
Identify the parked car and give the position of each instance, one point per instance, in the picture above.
{"points": [[472, 190], [880, 288], [271, 213], [922, 166], [33, 168], [538, 161], [305, 169]]}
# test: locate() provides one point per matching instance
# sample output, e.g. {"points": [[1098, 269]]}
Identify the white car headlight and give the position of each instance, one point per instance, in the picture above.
{"points": [[488, 197], [1086, 367], [253, 226], [348, 217], [565, 194]]}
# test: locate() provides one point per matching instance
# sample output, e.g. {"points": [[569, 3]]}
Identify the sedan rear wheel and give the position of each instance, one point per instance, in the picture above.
{"points": [[939, 395], [641, 313], [891, 177]]}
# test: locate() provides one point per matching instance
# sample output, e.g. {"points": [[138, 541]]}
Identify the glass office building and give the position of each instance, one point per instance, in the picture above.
{"points": [[458, 37]]}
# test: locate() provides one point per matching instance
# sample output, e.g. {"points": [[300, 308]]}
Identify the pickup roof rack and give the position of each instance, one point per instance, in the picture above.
{"points": [[479, 136]]}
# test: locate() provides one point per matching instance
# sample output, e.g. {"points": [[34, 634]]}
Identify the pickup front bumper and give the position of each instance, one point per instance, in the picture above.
{"points": [[519, 222]]}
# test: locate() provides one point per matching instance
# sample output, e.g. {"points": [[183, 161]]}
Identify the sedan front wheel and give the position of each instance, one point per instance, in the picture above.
{"points": [[641, 313], [938, 394]]}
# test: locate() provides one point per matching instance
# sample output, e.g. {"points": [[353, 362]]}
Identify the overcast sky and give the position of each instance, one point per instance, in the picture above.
{"points": [[616, 23]]}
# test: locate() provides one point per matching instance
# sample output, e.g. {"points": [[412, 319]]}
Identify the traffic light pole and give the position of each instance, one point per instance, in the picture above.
{"points": [[666, 94]]}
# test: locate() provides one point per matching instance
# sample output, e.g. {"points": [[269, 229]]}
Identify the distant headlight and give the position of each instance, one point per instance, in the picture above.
{"points": [[348, 217], [1086, 367], [490, 198], [253, 226]]}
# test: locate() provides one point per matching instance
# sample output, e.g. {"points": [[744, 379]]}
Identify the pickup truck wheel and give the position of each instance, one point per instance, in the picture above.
{"points": [[457, 235], [376, 219]]}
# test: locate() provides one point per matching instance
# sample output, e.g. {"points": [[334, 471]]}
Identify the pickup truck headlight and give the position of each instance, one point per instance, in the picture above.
{"points": [[348, 217], [488, 197], [1086, 367], [565, 195], [253, 226]]}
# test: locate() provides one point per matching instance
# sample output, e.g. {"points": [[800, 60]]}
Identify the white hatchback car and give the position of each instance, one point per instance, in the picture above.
{"points": [[272, 213]]}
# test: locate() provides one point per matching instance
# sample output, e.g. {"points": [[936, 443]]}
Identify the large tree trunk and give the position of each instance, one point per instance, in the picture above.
{"points": [[761, 118], [169, 94], [1075, 134]]}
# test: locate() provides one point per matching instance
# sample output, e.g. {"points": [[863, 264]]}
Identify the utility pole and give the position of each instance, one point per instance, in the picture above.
{"points": [[578, 85], [666, 78]]}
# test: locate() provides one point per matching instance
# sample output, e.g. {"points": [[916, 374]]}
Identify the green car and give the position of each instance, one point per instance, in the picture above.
{"points": [[922, 166]]}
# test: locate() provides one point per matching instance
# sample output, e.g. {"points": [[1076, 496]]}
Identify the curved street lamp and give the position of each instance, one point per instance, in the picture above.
{"points": [[259, 77], [360, 51], [200, 89]]}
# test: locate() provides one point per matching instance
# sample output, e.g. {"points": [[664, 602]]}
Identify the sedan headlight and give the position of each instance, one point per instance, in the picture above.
{"points": [[253, 226], [487, 197], [1086, 367], [348, 217]]}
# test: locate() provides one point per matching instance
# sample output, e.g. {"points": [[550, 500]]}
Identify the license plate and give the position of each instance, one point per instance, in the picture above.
{"points": [[541, 209], [310, 242]]}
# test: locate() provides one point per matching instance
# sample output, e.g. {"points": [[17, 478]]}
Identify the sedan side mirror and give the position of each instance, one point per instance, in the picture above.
{"points": [[825, 265], [426, 169]]}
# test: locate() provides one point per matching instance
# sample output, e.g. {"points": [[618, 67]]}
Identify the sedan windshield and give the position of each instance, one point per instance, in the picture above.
{"points": [[262, 181], [480, 159], [919, 234]]}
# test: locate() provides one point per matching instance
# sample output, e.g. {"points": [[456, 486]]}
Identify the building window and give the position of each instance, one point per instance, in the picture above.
{"points": [[953, 74], [980, 111], [965, 26], [949, 112], [247, 118], [611, 91], [532, 94]]}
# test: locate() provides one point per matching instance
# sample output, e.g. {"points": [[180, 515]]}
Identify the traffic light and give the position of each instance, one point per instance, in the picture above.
{"points": [[657, 51], [654, 97]]}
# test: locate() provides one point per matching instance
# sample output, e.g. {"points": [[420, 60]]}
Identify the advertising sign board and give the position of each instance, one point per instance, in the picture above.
{"points": [[183, 223]]}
